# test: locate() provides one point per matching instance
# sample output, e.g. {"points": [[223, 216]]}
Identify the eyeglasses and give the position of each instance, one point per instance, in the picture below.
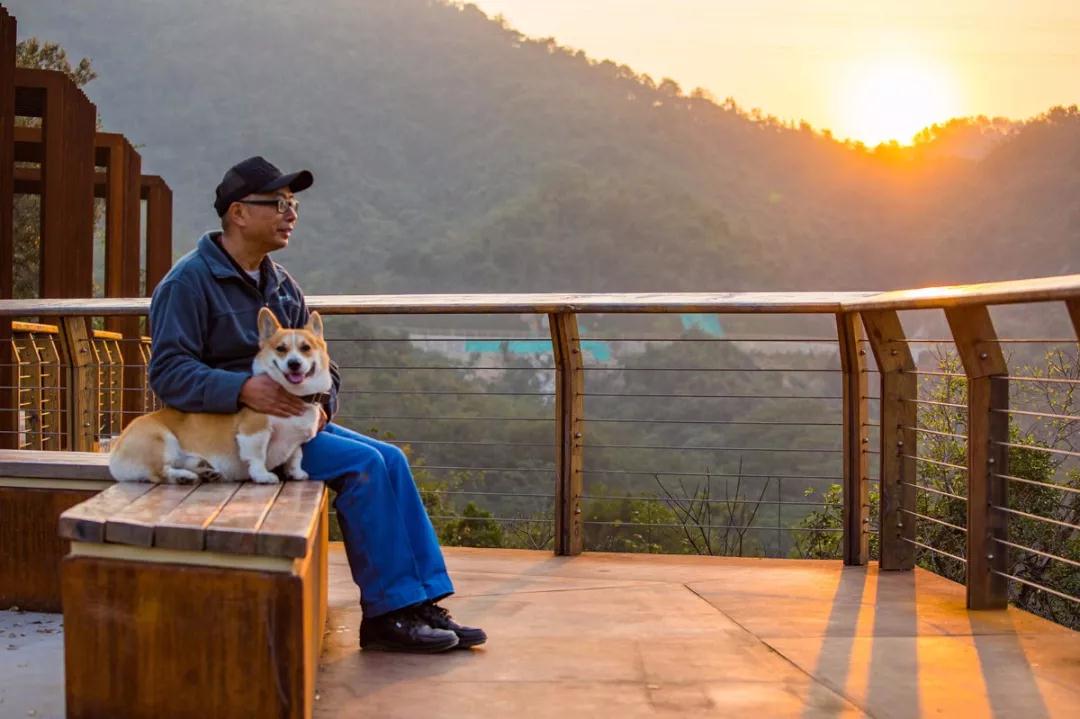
{"points": [[283, 204]]}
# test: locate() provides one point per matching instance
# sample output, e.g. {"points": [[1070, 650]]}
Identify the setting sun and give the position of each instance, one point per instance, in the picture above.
{"points": [[893, 99]]}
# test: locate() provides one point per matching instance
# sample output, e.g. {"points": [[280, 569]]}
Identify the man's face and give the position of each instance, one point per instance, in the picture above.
{"points": [[264, 225]]}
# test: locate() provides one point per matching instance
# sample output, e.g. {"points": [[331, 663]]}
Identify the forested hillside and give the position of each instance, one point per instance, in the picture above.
{"points": [[451, 153]]}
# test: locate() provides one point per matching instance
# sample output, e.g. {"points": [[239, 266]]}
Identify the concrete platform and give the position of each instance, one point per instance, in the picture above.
{"points": [[640, 635]]}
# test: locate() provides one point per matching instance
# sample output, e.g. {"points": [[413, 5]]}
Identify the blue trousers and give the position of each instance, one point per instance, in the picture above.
{"points": [[393, 552]]}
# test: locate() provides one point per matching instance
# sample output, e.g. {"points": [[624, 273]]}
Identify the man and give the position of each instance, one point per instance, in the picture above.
{"points": [[203, 316]]}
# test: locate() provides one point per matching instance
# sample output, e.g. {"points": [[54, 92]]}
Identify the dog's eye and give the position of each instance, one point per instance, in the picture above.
{"points": [[305, 348], [281, 349]]}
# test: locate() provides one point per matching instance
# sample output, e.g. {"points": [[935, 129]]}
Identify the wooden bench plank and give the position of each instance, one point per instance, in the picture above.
{"points": [[54, 465], [134, 524], [185, 526], [85, 522], [290, 525], [235, 527]]}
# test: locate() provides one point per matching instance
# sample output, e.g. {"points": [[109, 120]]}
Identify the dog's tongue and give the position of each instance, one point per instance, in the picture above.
{"points": [[295, 377]]}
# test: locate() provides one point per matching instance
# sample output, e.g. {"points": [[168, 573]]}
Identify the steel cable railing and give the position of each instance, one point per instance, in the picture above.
{"points": [[672, 441]]}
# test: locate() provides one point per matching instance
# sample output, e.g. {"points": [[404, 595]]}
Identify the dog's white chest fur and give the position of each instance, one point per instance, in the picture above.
{"points": [[288, 433]]}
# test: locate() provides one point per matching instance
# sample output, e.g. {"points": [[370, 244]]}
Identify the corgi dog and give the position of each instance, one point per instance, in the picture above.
{"points": [[184, 447]]}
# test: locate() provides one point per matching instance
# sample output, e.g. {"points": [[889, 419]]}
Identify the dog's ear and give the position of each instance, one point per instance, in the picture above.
{"points": [[314, 325], [268, 324]]}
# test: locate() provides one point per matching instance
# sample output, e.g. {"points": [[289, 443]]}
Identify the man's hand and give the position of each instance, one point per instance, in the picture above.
{"points": [[262, 394], [323, 419]]}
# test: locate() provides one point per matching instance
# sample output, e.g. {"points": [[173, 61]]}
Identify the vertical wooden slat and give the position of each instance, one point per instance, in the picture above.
{"points": [[123, 245], [856, 510], [569, 414], [158, 198], [988, 390], [67, 202], [898, 416], [9, 420], [82, 400]]}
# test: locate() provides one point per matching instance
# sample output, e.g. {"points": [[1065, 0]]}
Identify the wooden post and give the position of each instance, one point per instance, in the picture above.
{"points": [[856, 511], [1074, 314], [569, 413], [123, 243], [899, 414], [988, 427], [67, 198], [82, 413], [9, 416], [158, 198]]}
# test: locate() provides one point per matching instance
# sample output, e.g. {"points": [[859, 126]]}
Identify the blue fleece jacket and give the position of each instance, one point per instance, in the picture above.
{"points": [[203, 320]]}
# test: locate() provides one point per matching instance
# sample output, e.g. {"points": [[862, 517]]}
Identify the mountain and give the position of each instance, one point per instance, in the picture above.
{"points": [[453, 154]]}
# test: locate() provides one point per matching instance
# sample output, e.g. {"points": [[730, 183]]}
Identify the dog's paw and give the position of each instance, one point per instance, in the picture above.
{"points": [[264, 477], [300, 476]]}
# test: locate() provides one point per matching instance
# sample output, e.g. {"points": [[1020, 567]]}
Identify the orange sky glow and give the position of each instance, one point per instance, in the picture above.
{"points": [[869, 70]]}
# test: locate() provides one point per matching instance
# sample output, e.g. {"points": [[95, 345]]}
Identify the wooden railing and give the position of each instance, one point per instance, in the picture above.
{"points": [[870, 339]]}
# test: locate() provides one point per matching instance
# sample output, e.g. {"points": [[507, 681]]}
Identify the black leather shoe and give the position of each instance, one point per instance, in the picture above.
{"points": [[404, 631], [439, 618]]}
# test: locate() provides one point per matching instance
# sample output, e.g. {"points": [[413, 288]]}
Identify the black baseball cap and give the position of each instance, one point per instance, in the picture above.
{"points": [[256, 175]]}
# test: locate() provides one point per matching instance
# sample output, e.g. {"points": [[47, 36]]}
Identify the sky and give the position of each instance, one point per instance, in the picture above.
{"points": [[866, 69]]}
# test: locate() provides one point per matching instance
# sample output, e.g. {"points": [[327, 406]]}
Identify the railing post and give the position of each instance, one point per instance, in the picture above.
{"points": [[81, 401], [856, 511], [899, 414], [569, 412], [1074, 314], [158, 198], [988, 428], [9, 417]]}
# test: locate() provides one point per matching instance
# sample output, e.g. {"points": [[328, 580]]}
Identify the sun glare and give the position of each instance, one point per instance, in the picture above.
{"points": [[894, 99]]}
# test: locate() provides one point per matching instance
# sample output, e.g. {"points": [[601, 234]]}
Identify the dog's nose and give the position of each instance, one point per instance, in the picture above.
{"points": [[294, 365]]}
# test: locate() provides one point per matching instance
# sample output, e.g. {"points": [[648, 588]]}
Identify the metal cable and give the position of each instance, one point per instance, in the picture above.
{"points": [[1037, 484], [1037, 586], [1051, 450], [934, 549], [935, 520], [933, 490], [1036, 551], [1035, 517], [933, 461]]}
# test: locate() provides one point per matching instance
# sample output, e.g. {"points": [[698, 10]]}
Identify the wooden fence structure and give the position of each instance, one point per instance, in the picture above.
{"points": [[56, 152]]}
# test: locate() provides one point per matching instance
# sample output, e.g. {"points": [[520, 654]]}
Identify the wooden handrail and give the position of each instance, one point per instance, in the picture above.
{"points": [[1040, 289], [538, 303]]}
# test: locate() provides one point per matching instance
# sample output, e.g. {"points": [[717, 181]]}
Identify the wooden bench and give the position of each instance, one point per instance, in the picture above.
{"points": [[35, 488], [195, 601]]}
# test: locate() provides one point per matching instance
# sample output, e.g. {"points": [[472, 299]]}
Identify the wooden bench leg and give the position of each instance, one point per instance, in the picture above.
{"points": [[32, 551], [149, 639]]}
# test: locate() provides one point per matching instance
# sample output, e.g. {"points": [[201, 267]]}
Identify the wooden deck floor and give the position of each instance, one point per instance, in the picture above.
{"points": [[607, 635]]}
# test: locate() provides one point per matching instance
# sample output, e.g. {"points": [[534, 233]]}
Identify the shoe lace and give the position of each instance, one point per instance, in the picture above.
{"points": [[434, 613]]}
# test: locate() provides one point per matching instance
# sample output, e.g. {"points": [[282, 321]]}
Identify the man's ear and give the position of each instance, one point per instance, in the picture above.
{"points": [[236, 214], [315, 325], [268, 324]]}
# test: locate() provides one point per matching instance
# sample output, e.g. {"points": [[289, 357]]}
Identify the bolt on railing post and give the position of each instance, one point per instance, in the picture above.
{"points": [[82, 415], [569, 432], [856, 511], [899, 414], [988, 390]]}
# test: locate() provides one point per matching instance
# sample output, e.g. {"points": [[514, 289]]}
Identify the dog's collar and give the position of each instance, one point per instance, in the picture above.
{"points": [[317, 398]]}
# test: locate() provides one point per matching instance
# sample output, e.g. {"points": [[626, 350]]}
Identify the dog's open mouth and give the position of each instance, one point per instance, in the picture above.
{"points": [[298, 377]]}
